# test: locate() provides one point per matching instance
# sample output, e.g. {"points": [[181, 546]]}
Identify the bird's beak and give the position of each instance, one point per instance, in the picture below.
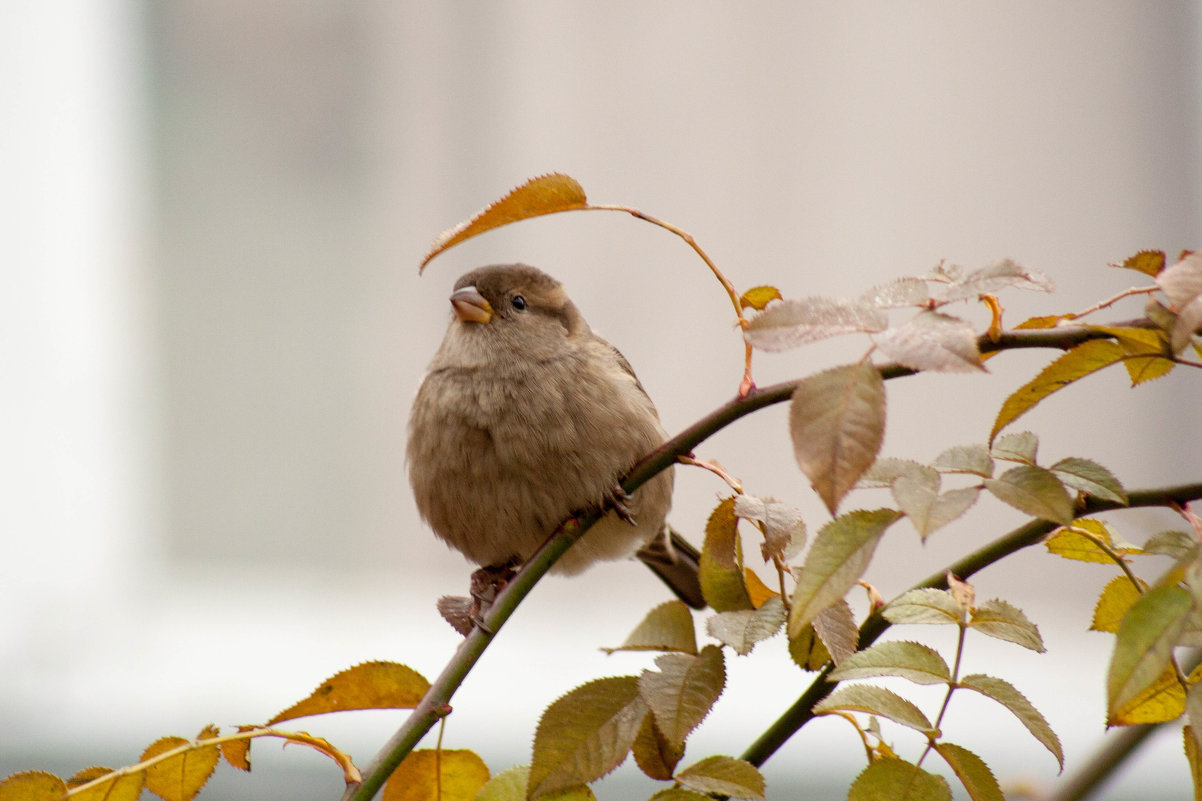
{"points": [[470, 306]]}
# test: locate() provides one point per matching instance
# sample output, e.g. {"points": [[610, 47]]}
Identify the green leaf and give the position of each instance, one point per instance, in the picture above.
{"points": [[1019, 447], [840, 554], [875, 701], [1116, 598], [683, 691], [1145, 643], [807, 650], [898, 780], [723, 775], [1091, 478], [934, 342], [837, 422], [795, 322], [1005, 694], [586, 733], [1003, 621], [908, 660], [972, 772], [924, 605], [743, 629], [973, 459], [545, 194], [1035, 491], [721, 571], [667, 627], [1086, 358]]}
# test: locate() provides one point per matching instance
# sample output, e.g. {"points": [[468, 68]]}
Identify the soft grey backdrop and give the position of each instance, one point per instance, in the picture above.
{"points": [[213, 325]]}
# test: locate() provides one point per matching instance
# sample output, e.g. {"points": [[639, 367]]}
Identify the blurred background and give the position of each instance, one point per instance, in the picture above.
{"points": [[212, 326]]}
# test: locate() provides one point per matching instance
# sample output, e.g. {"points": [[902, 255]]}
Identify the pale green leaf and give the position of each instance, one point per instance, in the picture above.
{"points": [[723, 775], [1145, 643], [972, 772], [836, 628], [1003, 621], [974, 459], [683, 690], [837, 423], [908, 660], [897, 780], [1005, 694], [1020, 446], [885, 470], [781, 523], [1034, 491], [875, 701], [932, 341], [741, 630], [1091, 478], [840, 554], [586, 733], [795, 322], [899, 292], [992, 277], [924, 605], [1182, 284], [667, 627], [1177, 544]]}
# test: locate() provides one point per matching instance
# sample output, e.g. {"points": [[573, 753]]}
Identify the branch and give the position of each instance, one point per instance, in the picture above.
{"points": [[436, 703], [875, 625]]}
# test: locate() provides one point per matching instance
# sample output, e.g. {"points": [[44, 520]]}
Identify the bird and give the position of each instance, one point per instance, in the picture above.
{"points": [[526, 417]]}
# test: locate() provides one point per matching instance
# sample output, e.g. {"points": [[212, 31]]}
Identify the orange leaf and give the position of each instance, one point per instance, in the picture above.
{"points": [[371, 685], [428, 775], [179, 777], [545, 194]]}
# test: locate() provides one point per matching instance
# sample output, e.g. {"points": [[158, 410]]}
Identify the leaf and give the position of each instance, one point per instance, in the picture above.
{"points": [[180, 777], [924, 605], [370, 685], [1080, 361], [683, 691], [900, 292], [758, 297], [667, 627], [795, 322], [1193, 708], [1177, 544], [1145, 642], [919, 498], [1005, 694], [898, 780], [993, 277], [430, 775], [1160, 702], [237, 752], [1192, 756], [784, 531], [585, 734], [840, 554], [32, 785], [545, 194], [1003, 621], [808, 651], [1034, 491], [836, 627], [1020, 447], [741, 630], [973, 459], [885, 470], [508, 785], [679, 794], [1091, 478], [1146, 350], [932, 341], [1148, 262], [721, 571], [837, 422], [757, 590], [908, 660], [875, 701], [1182, 284], [972, 772], [1116, 598], [655, 755], [1074, 542], [725, 776]]}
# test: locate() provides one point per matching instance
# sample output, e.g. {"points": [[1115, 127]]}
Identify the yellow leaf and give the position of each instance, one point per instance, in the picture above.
{"points": [[1048, 321], [1194, 759], [116, 787], [1149, 262], [545, 194], [1116, 598], [181, 776], [759, 296], [1075, 542], [757, 590], [371, 685], [1086, 358], [237, 752], [429, 775], [1146, 350], [32, 785], [1161, 701]]}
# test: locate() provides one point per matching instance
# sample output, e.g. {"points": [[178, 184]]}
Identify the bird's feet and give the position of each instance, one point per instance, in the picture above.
{"points": [[617, 500], [465, 614]]}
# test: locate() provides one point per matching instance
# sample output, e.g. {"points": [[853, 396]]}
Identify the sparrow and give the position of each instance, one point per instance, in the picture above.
{"points": [[526, 418]]}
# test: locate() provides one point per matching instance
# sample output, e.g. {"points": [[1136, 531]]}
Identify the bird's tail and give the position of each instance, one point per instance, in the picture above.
{"points": [[677, 563]]}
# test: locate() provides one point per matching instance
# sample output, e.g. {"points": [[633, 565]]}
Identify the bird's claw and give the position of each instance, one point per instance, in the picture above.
{"points": [[618, 498], [486, 583]]}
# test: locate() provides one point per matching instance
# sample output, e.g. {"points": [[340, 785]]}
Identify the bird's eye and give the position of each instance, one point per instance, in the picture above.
{"points": [[519, 302]]}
